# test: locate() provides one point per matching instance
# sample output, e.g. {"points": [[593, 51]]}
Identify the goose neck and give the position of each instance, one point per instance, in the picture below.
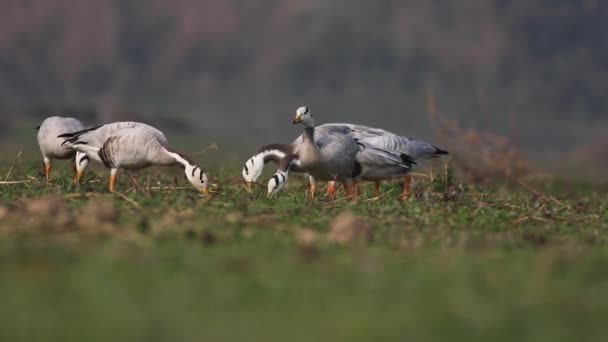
{"points": [[309, 134]]}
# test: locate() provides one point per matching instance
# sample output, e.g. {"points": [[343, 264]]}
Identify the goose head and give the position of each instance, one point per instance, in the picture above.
{"points": [[253, 169], [197, 177], [276, 183], [304, 117]]}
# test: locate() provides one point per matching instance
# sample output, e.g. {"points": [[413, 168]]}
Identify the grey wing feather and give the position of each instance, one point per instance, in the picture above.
{"points": [[417, 149], [98, 136], [376, 157]]}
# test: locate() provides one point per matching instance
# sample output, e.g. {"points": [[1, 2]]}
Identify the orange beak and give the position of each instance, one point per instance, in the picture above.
{"points": [[297, 119]]}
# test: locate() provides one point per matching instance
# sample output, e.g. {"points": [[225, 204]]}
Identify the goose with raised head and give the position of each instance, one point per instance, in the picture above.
{"points": [[51, 146], [328, 158], [369, 160], [133, 146]]}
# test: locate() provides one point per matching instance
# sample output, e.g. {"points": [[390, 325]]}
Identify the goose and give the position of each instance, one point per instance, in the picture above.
{"points": [[132, 146], [51, 146], [370, 160], [375, 137], [338, 156]]}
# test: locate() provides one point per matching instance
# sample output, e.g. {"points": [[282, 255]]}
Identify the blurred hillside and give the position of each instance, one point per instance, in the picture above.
{"points": [[222, 70]]}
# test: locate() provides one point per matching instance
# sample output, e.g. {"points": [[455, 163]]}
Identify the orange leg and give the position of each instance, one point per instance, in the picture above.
{"points": [[313, 190], [331, 190], [79, 176], [47, 170], [351, 190], [377, 188], [75, 177], [407, 180], [355, 188], [113, 180]]}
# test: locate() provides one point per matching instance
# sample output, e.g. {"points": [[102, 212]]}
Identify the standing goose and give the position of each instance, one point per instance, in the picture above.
{"points": [[329, 158], [133, 146], [368, 159], [338, 156], [51, 146]]}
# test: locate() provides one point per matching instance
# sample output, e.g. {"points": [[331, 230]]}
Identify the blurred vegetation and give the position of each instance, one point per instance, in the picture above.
{"points": [[456, 262]]}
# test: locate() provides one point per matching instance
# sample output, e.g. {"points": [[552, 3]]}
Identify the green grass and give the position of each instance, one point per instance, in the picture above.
{"points": [[478, 264]]}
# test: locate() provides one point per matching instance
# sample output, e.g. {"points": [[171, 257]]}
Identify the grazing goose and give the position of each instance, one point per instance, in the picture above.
{"points": [[51, 146], [279, 179], [133, 146]]}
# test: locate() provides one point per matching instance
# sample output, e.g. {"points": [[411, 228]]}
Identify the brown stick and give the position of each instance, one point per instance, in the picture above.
{"points": [[12, 166]]}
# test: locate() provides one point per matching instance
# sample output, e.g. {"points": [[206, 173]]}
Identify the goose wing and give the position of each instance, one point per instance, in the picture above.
{"points": [[372, 156], [97, 135], [417, 149]]}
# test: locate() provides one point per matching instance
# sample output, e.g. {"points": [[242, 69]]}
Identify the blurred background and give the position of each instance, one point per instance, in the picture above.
{"points": [[516, 78]]}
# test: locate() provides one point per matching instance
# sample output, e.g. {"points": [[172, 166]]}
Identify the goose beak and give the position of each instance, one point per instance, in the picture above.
{"points": [[249, 186], [205, 191], [297, 119]]}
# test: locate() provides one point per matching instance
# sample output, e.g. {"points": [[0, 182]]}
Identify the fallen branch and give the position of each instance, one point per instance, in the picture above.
{"points": [[133, 202], [540, 194], [14, 182]]}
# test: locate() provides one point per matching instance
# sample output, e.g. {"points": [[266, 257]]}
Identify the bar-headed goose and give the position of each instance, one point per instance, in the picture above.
{"points": [[133, 146], [331, 157], [51, 146], [370, 161], [338, 156]]}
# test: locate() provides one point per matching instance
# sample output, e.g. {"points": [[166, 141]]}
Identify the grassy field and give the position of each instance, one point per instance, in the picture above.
{"points": [[464, 263]]}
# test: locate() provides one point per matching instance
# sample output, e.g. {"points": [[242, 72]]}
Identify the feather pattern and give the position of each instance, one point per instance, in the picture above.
{"points": [[97, 136], [132, 146]]}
